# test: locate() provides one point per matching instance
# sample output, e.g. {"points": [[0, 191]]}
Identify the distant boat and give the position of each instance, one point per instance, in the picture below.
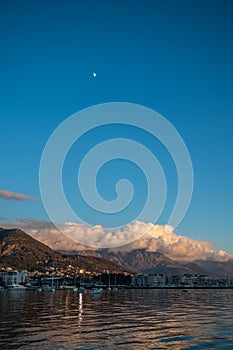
{"points": [[75, 288], [34, 288], [115, 289], [109, 284], [51, 289], [31, 288], [96, 291], [14, 286]]}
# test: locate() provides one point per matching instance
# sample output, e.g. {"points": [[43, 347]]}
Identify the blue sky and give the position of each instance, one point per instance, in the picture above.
{"points": [[172, 56]]}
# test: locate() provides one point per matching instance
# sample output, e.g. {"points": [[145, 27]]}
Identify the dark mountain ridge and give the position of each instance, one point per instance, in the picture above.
{"points": [[19, 250]]}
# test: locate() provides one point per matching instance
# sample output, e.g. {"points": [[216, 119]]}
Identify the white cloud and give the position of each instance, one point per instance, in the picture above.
{"points": [[8, 195], [160, 238]]}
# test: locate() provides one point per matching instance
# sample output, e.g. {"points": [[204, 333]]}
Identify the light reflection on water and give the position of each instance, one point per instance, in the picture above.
{"points": [[127, 319]]}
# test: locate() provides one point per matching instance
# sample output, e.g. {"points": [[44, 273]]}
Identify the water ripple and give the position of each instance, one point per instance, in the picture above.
{"points": [[128, 319]]}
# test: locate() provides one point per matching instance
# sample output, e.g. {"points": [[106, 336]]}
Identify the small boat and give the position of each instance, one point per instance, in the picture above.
{"points": [[31, 288], [115, 289], [109, 283], [49, 289], [14, 286], [95, 291], [75, 289]]}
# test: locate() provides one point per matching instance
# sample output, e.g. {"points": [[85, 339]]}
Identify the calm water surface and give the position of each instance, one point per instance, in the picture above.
{"points": [[127, 319]]}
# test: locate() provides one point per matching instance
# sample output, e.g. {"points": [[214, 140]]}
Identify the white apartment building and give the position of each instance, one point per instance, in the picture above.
{"points": [[148, 280], [10, 277]]}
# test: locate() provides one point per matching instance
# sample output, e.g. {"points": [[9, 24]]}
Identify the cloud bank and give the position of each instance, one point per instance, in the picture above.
{"points": [[160, 238], [8, 195]]}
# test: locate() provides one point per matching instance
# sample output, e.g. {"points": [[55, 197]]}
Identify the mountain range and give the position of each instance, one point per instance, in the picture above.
{"points": [[142, 261], [20, 250]]}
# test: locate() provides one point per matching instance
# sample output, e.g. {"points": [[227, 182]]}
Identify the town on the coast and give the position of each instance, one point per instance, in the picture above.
{"points": [[73, 279], [26, 263]]}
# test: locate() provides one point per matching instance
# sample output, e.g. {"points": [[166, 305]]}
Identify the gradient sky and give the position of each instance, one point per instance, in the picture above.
{"points": [[172, 56]]}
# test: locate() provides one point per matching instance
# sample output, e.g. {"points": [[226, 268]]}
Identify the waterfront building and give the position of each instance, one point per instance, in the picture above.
{"points": [[147, 281], [11, 277], [180, 281]]}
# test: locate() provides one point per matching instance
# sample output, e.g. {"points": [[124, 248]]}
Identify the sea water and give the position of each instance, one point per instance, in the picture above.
{"points": [[126, 319]]}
